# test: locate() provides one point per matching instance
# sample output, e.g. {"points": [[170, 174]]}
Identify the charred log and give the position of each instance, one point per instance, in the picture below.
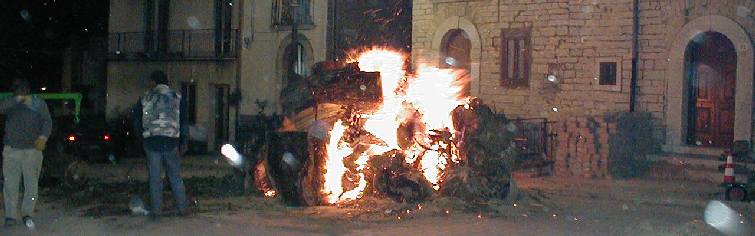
{"points": [[390, 176], [287, 153]]}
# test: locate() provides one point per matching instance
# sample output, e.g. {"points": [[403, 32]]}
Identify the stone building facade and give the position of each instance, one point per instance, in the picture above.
{"points": [[577, 55]]}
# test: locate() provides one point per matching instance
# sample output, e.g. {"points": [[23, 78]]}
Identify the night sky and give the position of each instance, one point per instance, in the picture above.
{"points": [[361, 23], [36, 32]]}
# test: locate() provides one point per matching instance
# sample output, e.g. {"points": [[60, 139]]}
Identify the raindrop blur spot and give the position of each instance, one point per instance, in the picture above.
{"points": [[511, 127], [193, 22], [25, 15], [450, 61], [743, 11], [552, 78], [587, 9]]}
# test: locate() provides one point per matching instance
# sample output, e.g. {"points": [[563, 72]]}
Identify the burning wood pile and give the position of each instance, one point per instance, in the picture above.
{"points": [[376, 129]]}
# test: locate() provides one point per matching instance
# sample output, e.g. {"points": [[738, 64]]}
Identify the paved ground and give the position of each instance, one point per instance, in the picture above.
{"points": [[562, 207]]}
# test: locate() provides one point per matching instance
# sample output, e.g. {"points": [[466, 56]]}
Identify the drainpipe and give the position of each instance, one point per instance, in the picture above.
{"points": [[635, 56], [239, 48]]}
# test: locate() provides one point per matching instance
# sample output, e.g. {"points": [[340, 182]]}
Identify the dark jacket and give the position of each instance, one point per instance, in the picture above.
{"points": [[25, 123]]}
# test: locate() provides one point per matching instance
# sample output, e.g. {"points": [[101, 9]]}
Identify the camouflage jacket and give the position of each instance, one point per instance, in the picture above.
{"points": [[161, 112]]}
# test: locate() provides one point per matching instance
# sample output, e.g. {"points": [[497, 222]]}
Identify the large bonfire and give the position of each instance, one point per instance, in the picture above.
{"points": [[413, 120]]}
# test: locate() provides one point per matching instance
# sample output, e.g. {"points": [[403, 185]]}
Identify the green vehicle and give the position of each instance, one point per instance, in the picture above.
{"points": [[74, 98]]}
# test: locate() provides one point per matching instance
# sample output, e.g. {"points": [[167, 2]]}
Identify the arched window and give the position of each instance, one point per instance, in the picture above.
{"points": [[456, 53], [295, 59], [456, 50]]}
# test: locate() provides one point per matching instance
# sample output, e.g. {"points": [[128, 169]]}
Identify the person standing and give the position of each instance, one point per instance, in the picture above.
{"points": [[161, 127], [27, 127]]}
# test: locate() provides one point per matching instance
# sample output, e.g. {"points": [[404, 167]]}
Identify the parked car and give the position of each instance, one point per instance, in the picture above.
{"points": [[90, 139]]}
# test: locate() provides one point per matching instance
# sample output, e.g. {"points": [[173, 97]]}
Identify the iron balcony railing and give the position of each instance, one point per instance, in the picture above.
{"points": [[208, 44], [288, 12]]}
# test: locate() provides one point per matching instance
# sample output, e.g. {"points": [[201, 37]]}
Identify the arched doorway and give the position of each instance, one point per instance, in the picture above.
{"points": [[710, 68], [677, 112], [456, 53]]}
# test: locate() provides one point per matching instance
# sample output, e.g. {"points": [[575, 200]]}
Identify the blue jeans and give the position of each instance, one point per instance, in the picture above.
{"points": [[155, 162]]}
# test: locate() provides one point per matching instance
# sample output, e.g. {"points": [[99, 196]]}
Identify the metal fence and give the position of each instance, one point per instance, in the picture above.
{"points": [[208, 44], [533, 137]]}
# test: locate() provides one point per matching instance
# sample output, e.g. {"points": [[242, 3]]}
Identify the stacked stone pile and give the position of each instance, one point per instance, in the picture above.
{"points": [[583, 147]]}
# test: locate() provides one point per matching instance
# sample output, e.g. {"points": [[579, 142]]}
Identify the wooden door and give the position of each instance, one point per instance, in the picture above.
{"points": [[713, 85], [712, 108], [221, 114]]}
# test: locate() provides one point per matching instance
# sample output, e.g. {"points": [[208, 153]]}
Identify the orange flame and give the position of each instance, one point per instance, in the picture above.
{"points": [[432, 92], [334, 167], [384, 123]]}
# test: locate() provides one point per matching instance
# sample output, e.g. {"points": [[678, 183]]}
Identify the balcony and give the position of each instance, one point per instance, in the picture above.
{"points": [[175, 45], [286, 13]]}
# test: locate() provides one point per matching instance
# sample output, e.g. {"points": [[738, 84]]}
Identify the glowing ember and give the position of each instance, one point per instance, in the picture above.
{"points": [[432, 165], [356, 193], [424, 100], [270, 193]]}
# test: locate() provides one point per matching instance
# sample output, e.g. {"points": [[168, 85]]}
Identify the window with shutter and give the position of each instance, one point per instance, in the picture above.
{"points": [[516, 54]]}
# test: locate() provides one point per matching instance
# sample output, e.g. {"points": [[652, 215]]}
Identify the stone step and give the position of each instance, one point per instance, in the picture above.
{"points": [[695, 168]]}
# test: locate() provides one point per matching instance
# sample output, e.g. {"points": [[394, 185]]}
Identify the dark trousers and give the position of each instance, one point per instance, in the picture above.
{"points": [[155, 161]]}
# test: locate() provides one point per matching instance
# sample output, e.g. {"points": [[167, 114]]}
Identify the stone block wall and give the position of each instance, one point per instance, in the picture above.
{"points": [[569, 39]]}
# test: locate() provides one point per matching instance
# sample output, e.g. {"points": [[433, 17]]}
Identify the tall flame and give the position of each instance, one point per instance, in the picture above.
{"points": [[334, 167], [384, 123], [435, 93], [432, 92]]}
